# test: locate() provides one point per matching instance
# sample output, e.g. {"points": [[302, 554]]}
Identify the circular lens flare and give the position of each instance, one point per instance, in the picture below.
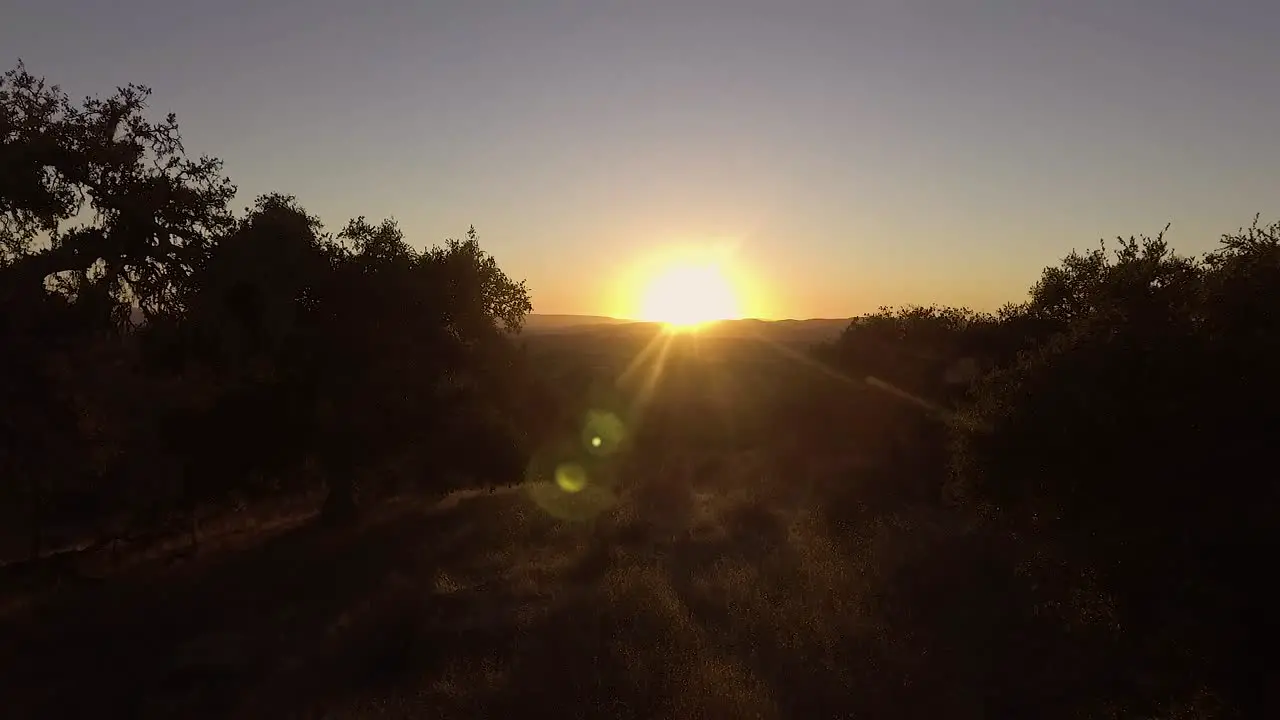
{"points": [[574, 476], [571, 477], [602, 432]]}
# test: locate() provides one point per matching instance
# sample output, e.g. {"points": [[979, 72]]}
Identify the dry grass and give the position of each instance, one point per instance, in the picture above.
{"points": [[683, 601], [709, 584], [694, 596]]}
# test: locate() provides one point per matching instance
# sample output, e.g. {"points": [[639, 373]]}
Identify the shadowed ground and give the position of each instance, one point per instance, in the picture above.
{"points": [[725, 605], [720, 584]]}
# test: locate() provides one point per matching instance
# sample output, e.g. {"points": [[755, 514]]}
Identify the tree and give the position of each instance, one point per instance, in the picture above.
{"points": [[238, 412], [919, 349], [407, 348], [1121, 448], [264, 344], [99, 194], [99, 210]]}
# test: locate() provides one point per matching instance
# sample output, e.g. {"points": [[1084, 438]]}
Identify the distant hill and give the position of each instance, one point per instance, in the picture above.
{"points": [[799, 331], [538, 323], [803, 331], [807, 331]]}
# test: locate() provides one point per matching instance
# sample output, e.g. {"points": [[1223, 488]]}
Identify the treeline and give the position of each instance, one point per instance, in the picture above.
{"points": [[1087, 521], [162, 357], [1108, 462]]}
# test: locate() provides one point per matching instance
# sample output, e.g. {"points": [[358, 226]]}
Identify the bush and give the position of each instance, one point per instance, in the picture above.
{"points": [[1125, 446]]}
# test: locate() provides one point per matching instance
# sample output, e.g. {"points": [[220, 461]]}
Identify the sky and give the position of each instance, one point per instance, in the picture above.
{"points": [[845, 153]]}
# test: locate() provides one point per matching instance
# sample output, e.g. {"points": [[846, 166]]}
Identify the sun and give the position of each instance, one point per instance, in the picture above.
{"points": [[686, 296]]}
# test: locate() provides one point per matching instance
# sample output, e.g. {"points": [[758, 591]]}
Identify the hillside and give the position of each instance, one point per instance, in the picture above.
{"points": [[809, 330], [541, 323]]}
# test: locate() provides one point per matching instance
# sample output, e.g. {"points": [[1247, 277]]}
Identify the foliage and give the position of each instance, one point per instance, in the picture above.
{"points": [[164, 355], [1110, 443], [1126, 446], [1059, 503], [100, 196]]}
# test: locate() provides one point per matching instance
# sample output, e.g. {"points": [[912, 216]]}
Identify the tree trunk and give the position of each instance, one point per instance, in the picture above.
{"points": [[195, 530], [340, 504], [36, 518]]}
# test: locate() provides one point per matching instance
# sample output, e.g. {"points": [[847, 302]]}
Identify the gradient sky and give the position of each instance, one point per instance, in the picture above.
{"points": [[853, 152]]}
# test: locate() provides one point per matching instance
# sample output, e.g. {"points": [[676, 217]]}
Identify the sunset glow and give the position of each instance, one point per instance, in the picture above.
{"points": [[685, 296]]}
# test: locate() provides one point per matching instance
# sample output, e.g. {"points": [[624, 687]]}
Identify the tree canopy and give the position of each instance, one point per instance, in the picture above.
{"points": [[1097, 453], [180, 355]]}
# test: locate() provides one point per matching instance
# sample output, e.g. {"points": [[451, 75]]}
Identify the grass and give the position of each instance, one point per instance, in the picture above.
{"points": [[749, 569], [731, 604]]}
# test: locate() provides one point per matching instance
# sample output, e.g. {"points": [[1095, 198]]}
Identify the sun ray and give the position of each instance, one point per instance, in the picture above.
{"points": [[653, 347], [869, 381], [649, 383]]}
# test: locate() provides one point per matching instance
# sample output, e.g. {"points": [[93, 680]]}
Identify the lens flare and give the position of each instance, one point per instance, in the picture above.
{"points": [[567, 481], [603, 433], [571, 477]]}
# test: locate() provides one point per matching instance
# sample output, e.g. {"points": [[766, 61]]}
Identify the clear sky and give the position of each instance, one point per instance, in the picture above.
{"points": [[852, 153]]}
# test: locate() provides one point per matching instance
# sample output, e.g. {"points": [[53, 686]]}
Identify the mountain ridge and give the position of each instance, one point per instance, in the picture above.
{"points": [[808, 329]]}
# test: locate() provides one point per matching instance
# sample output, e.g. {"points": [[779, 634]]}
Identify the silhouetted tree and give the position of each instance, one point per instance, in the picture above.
{"points": [[1123, 448], [100, 211], [163, 355], [99, 193]]}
